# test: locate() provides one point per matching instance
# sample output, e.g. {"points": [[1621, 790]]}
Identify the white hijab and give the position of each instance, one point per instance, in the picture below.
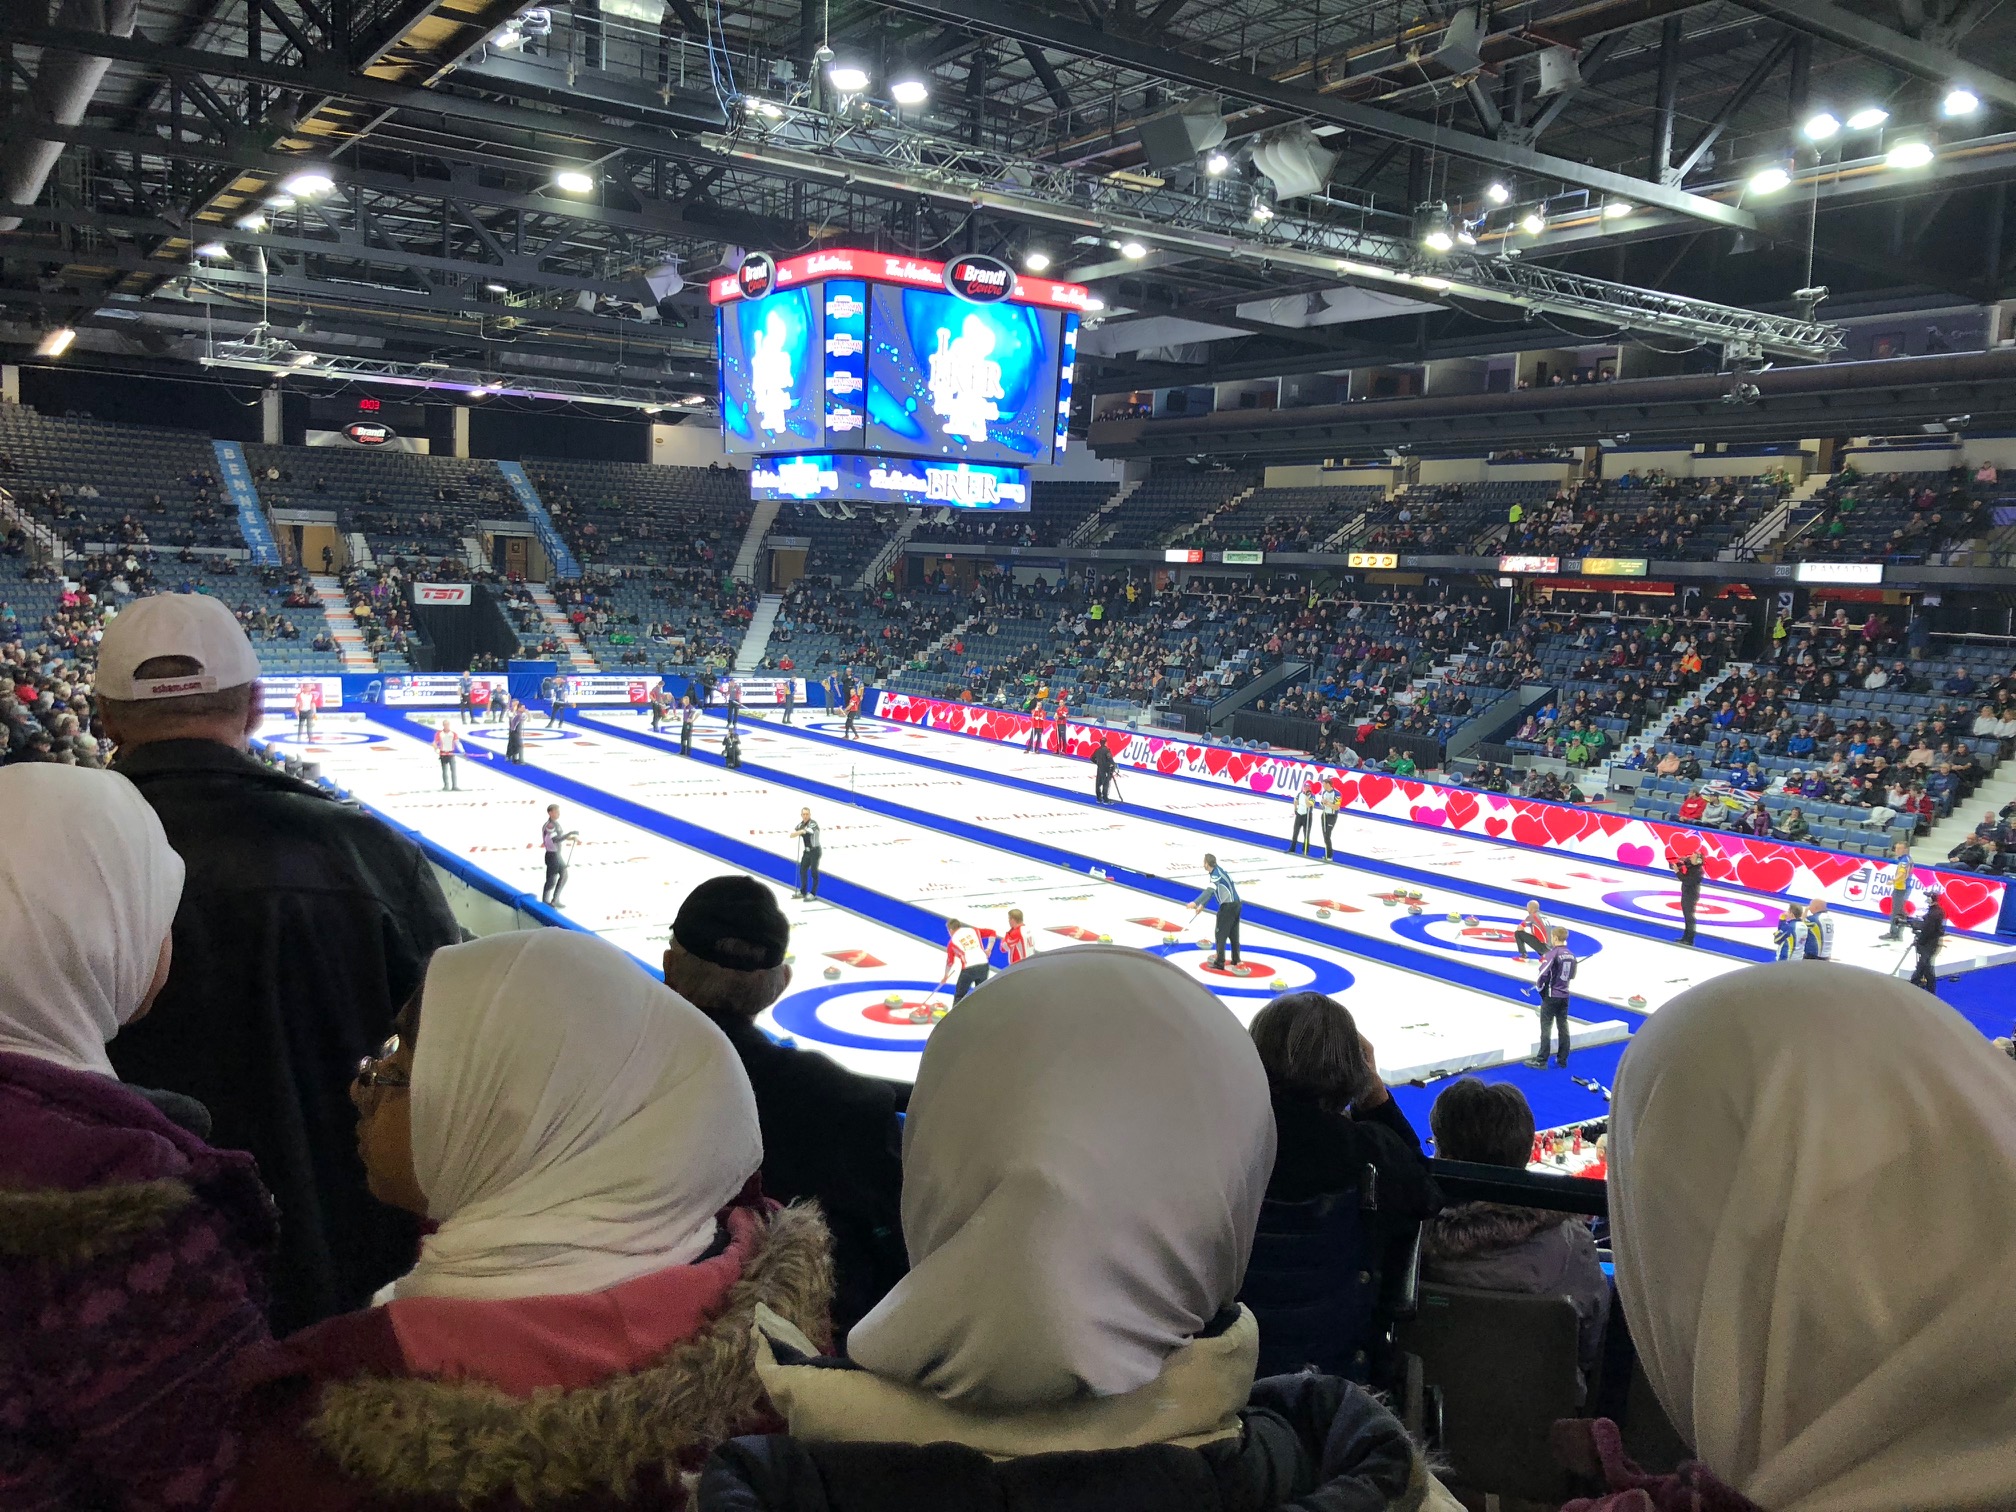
{"points": [[576, 1124], [1813, 1186], [1083, 1163], [88, 889]]}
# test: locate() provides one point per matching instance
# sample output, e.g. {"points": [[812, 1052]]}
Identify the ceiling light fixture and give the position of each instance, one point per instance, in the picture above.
{"points": [[306, 183], [280, 202], [1217, 163], [573, 181], [496, 288], [848, 78], [303, 359], [909, 91], [56, 343], [1134, 251], [1868, 118], [1617, 209], [1497, 193], [1094, 305], [1911, 154], [1769, 179], [1533, 222], [1036, 260], [1821, 126], [213, 249], [1262, 211], [694, 399], [1960, 101]]}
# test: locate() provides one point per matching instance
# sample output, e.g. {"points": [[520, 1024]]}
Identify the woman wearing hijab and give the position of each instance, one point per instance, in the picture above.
{"points": [[132, 1254], [576, 1330], [1813, 1212], [1079, 1200]]}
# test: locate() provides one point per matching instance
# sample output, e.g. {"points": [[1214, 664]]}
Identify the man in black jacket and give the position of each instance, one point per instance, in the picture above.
{"points": [[828, 1134], [303, 927], [1931, 926]]}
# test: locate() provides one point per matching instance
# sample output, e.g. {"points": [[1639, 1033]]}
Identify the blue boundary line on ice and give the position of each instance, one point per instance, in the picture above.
{"points": [[1581, 913], [1774, 899], [1400, 957]]}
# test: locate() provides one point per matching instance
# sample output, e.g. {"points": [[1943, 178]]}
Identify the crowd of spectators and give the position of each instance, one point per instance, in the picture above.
{"points": [[1898, 516]]}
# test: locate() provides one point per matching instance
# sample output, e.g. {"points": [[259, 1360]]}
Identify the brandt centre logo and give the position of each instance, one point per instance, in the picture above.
{"points": [[981, 279]]}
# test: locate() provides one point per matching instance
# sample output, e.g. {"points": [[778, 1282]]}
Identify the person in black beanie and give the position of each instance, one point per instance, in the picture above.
{"points": [[828, 1134]]}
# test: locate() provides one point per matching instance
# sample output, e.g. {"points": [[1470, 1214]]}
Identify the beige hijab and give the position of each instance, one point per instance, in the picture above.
{"points": [[1813, 1186], [1083, 1163]]}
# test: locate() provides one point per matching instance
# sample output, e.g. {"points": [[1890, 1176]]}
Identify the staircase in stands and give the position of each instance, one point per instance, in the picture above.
{"points": [[342, 625], [579, 658], [756, 639], [744, 570]]}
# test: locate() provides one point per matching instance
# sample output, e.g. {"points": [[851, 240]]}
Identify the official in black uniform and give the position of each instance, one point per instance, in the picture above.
{"points": [[790, 697], [808, 855], [1688, 869], [687, 714], [1931, 926], [1102, 770]]}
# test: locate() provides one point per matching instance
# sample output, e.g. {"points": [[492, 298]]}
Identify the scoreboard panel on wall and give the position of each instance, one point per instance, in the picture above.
{"points": [[882, 378]]}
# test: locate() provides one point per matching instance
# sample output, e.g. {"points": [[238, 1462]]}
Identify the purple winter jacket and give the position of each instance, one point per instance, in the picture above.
{"points": [[132, 1273]]}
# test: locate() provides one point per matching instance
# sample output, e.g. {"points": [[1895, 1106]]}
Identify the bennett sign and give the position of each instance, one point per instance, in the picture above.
{"points": [[440, 593], [979, 278]]}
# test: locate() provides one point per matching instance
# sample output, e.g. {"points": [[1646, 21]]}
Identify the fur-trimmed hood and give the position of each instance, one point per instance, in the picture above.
{"points": [[627, 1440], [75, 1228], [1470, 1229]]}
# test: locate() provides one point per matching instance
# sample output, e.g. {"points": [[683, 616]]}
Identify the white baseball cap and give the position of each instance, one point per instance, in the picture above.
{"points": [[191, 625]]}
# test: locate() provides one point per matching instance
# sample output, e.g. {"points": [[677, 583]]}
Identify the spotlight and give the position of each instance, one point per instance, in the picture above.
{"points": [[1497, 193], [909, 91], [1960, 101], [1433, 228], [496, 288], [1617, 209], [769, 110], [1466, 232], [280, 202], [252, 222], [1438, 240], [1533, 222], [306, 183], [573, 181], [1820, 127], [303, 359], [56, 343], [654, 409], [1912, 154], [214, 250], [1036, 260], [691, 399], [848, 78], [1868, 118], [1769, 179], [1262, 211], [1133, 250], [1217, 163], [1094, 305]]}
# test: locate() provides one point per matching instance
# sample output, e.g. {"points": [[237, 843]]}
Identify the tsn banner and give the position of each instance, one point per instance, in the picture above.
{"points": [[327, 692], [439, 689], [441, 593], [768, 692], [588, 691]]}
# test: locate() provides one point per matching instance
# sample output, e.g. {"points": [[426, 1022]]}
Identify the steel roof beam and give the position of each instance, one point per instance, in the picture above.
{"points": [[1022, 23], [1844, 28]]}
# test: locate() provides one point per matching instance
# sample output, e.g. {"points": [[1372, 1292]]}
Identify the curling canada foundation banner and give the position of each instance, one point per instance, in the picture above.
{"points": [[1798, 872]]}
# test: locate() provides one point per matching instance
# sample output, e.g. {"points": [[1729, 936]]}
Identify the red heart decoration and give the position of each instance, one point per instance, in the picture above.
{"points": [[1347, 793], [1413, 789], [1970, 900], [1529, 830], [1215, 760], [1611, 824], [1461, 808], [1238, 767], [1765, 873], [1422, 814], [1565, 824], [1827, 868], [1495, 827], [1375, 789], [1167, 762]]}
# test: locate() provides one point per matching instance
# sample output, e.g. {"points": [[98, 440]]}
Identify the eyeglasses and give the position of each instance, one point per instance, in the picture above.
{"points": [[371, 1072]]}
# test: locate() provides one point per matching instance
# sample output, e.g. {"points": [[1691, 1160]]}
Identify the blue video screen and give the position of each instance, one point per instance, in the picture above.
{"points": [[772, 373], [860, 478], [952, 379]]}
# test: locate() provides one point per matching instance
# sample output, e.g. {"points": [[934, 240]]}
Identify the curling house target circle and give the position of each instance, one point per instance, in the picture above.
{"points": [[1714, 908], [856, 1016], [332, 738], [1298, 972], [1491, 935]]}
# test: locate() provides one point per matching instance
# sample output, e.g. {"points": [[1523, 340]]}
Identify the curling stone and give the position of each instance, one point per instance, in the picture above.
{"points": [[1105, 939], [1454, 918], [894, 1000], [1636, 1000], [1322, 913], [832, 973], [1278, 985], [1389, 901]]}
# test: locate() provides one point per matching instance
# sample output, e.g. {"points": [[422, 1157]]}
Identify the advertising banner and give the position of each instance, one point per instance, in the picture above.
{"points": [[236, 476], [437, 689], [603, 690], [1972, 901], [439, 594], [328, 692]]}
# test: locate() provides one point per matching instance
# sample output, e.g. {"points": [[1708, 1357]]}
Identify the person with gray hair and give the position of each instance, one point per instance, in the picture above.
{"points": [[304, 924], [829, 1135]]}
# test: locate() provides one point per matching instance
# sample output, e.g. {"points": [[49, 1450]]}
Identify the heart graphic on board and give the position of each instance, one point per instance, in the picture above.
{"points": [[1969, 900], [1413, 790], [1766, 873], [1215, 760], [1375, 790], [1565, 824], [1238, 767], [1495, 827], [1423, 815], [1635, 855], [1168, 762], [1828, 869], [1347, 793], [1462, 808], [1529, 829], [1610, 824], [1262, 782]]}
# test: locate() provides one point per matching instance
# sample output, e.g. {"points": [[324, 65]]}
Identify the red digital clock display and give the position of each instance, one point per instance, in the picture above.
{"points": [[370, 406]]}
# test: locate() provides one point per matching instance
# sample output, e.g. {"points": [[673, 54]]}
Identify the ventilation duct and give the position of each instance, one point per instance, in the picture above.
{"points": [[1559, 70], [1175, 138], [63, 87], [1461, 48], [1293, 161]]}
